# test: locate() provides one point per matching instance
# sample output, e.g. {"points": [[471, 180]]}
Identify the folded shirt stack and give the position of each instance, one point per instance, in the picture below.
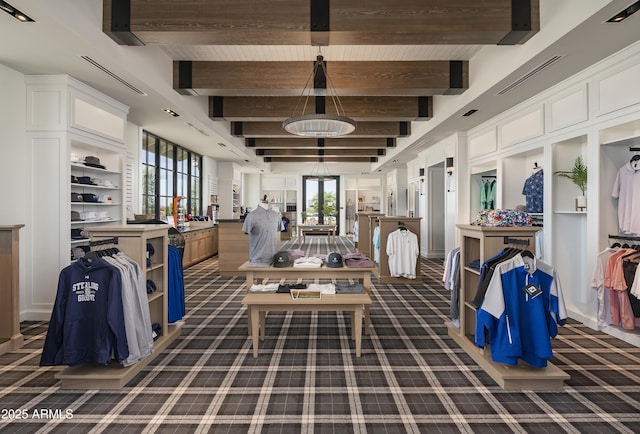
{"points": [[349, 288], [295, 254], [286, 288], [307, 262], [323, 288], [269, 287], [355, 260]]}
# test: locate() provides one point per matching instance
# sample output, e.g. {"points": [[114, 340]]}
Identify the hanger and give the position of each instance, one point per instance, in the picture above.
{"points": [[615, 245], [635, 158], [526, 254]]}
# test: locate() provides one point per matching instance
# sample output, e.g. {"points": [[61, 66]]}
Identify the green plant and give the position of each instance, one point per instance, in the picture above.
{"points": [[577, 175]]}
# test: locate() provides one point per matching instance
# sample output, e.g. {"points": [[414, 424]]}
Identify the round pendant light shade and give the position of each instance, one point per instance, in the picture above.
{"points": [[319, 125]]}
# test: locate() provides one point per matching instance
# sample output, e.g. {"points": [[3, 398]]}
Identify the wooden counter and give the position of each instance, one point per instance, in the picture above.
{"points": [[10, 336], [199, 244]]}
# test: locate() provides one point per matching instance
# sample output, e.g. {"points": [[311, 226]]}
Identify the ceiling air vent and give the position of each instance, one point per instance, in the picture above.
{"points": [[530, 74], [113, 75]]}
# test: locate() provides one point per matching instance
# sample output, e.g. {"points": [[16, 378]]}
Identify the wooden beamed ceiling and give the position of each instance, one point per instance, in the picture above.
{"points": [[320, 22], [383, 97]]}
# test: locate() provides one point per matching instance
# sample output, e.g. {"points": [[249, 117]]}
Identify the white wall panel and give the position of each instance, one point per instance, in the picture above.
{"points": [[619, 90], [568, 110], [522, 128], [483, 144]]}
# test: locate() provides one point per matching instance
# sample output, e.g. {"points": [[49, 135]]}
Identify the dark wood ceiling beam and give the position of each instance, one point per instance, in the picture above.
{"points": [[328, 143], [363, 129], [319, 151], [320, 22], [320, 159], [359, 108], [386, 78]]}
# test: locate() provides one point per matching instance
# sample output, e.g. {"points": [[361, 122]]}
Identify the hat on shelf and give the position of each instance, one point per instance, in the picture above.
{"points": [[108, 183], [151, 287], [97, 181], [89, 215], [75, 158], [281, 259], [106, 198], [75, 216], [76, 197], [334, 260], [89, 197], [93, 162], [78, 234], [74, 179], [85, 180]]}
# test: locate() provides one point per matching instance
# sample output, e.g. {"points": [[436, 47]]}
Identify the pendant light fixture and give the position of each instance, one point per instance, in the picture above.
{"points": [[319, 124]]}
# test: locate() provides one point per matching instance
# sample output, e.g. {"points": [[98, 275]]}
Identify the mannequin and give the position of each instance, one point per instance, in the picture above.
{"points": [[262, 225]]}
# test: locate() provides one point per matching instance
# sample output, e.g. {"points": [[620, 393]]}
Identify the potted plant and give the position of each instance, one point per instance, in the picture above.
{"points": [[577, 175]]}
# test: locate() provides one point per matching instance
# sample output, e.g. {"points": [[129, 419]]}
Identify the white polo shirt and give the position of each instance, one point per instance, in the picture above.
{"points": [[627, 190]]}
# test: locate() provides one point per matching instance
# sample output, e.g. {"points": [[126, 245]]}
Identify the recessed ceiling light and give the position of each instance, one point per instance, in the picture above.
{"points": [[171, 112], [15, 13], [623, 15], [222, 145], [470, 112]]}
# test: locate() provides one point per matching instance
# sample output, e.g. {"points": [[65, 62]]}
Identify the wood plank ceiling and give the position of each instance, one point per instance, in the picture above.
{"points": [[383, 97]]}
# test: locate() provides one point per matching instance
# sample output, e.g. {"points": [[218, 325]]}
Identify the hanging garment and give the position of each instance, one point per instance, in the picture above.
{"points": [[402, 249], [87, 322], [533, 191], [135, 305], [175, 301], [376, 245], [521, 312], [627, 190], [598, 283], [451, 281]]}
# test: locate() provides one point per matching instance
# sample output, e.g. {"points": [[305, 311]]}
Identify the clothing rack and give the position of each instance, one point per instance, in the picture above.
{"points": [[625, 237], [489, 176], [632, 149], [113, 240], [509, 240]]}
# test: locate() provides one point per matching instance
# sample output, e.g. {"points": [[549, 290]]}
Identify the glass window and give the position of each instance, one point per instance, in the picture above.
{"points": [[169, 170]]}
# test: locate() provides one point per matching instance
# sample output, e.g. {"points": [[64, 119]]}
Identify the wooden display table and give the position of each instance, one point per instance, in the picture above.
{"points": [[259, 303], [330, 230], [290, 273]]}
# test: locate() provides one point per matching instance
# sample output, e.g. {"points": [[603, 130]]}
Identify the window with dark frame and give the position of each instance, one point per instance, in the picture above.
{"points": [[169, 170]]}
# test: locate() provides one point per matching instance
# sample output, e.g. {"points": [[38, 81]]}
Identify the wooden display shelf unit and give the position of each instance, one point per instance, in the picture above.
{"points": [[132, 240], [388, 225], [482, 243], [10, 336]]}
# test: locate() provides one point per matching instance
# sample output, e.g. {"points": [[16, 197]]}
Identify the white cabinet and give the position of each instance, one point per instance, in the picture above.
{"points": [[66, 118]]}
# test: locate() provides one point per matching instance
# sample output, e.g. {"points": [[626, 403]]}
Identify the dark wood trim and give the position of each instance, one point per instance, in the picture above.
{"points": [[349, 78]]}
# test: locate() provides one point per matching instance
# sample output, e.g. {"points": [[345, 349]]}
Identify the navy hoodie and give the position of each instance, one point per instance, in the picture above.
{"points": [[87, 322]]}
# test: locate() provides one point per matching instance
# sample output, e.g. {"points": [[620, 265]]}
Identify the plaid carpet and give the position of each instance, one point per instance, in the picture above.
{"points": [[411, 377]]}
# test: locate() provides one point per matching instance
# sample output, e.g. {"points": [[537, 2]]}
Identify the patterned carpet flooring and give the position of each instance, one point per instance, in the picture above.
{"points": [[411, 378]]}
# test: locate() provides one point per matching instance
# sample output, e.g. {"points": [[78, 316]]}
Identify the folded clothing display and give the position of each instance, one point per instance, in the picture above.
{"points": [[349, 288], [268, 287], [323, 288], [358, 260], [307, 262], [286, 288]]}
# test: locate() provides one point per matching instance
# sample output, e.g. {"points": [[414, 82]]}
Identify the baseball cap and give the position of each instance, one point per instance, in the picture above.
{"points": [[334, 260], [281, 259]]}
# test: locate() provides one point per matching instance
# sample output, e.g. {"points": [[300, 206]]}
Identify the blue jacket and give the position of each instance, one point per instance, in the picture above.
{"points": [[521, 326], [87, 322]]}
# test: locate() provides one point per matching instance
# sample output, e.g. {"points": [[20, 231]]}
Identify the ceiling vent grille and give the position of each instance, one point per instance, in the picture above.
{"points": [[113, 75], [530, 74]]}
